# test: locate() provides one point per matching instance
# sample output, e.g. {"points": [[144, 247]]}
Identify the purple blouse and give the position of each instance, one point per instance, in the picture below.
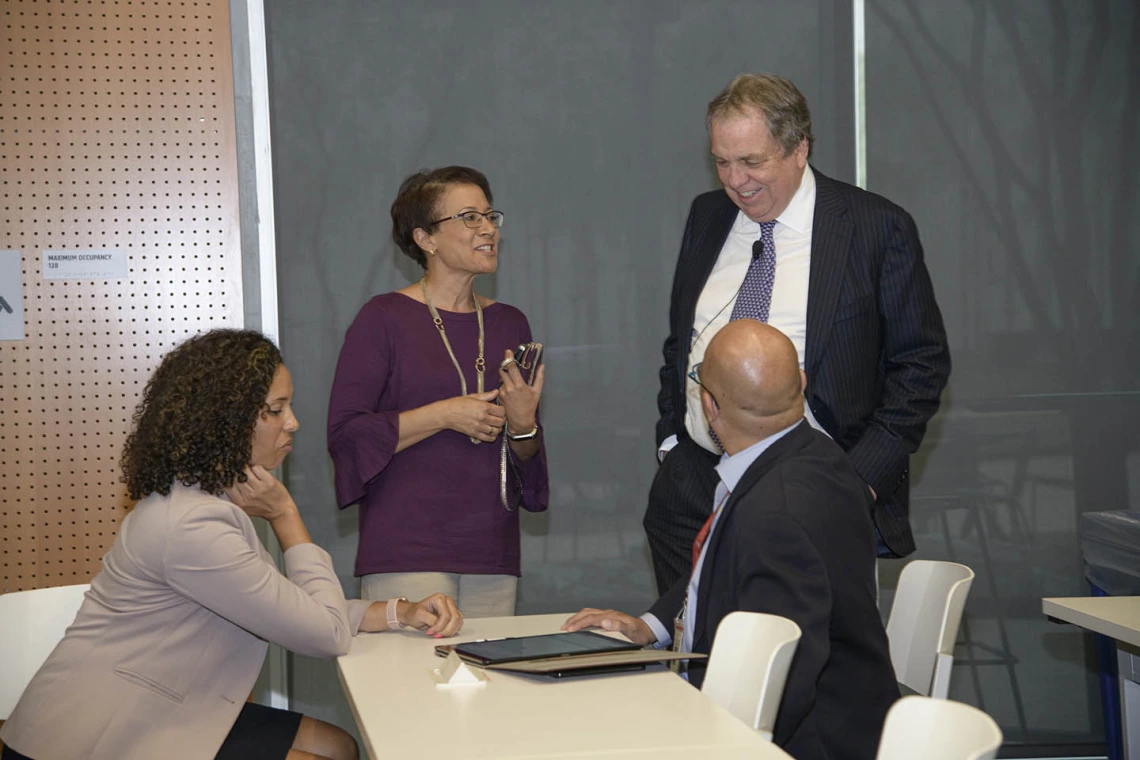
{"points": [[433, 507]]}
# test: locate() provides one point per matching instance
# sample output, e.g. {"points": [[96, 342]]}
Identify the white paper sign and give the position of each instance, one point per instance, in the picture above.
{"points": [[92, 264], [11, 296], [455, 672]]}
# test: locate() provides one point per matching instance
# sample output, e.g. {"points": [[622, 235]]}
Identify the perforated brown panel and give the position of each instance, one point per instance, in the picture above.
{"points": [[116, 131]]}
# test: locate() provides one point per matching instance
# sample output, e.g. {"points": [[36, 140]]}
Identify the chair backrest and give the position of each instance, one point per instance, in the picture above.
{"points": [[748, 666], [924, 622], [937, 729], [31, 624]]}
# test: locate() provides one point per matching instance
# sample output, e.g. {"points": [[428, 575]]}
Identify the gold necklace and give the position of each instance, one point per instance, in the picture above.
{"points": [[480, 364]]}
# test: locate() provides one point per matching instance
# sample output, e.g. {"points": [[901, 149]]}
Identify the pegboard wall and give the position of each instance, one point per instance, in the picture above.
{"points": [[116, 132]]}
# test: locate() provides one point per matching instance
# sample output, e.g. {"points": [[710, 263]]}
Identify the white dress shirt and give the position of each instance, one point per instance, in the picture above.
{"points": [[788, 310], [731, 469]]}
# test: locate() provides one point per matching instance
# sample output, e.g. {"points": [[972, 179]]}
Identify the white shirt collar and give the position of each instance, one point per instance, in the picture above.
{"points": [[797, 216]]}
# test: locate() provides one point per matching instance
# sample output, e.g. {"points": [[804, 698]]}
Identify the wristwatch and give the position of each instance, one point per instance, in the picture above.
{"points": [[523, 436], [394, 623]]}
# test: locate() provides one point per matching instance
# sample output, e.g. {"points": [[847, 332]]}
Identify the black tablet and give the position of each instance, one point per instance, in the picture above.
{"points": [[495, 651]]}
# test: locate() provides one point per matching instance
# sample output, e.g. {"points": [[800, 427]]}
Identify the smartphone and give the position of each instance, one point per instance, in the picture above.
{"points": [[529, 356]]}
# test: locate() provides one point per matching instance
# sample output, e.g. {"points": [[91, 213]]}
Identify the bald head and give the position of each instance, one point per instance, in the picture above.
{"points": [[755, 375]]}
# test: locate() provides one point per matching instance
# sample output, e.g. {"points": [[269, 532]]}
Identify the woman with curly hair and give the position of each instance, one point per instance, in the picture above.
{"points": [[433, 427], [173, 632]]}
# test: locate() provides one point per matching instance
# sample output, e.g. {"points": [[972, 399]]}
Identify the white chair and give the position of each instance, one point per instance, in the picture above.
{"points": [[31, 624], [748, 666], [924, 622], [937, 729]]}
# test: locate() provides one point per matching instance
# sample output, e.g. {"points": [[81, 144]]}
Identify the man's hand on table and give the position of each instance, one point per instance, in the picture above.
{"points": [[634, 629]]}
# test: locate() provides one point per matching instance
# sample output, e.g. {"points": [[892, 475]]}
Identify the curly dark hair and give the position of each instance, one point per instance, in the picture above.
{"points": [[196, 418], [417, 203]]}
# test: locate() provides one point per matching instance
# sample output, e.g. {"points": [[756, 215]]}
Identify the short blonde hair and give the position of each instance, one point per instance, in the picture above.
{"points": [[782, 104]]}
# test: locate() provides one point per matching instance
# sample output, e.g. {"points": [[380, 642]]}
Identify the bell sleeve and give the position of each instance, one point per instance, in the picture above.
{"points": [[362, 438]]}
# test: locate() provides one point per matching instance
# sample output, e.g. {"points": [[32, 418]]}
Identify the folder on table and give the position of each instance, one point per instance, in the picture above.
{"points": [[561, 655]]}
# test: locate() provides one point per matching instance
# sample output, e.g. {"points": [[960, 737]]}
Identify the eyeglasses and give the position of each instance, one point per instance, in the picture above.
{"points": [[695, 376], [474, 219]]}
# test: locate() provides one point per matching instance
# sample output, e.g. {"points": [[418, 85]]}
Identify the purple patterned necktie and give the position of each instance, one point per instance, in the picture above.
{"points": [[755, 297]]}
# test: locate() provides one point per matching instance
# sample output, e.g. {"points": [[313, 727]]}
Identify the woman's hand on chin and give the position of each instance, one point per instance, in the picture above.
{"points": [[261, 495]]}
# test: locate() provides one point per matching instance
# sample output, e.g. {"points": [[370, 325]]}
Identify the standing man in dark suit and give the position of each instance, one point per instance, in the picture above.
{"points": [[839, 271], [790, 535]]}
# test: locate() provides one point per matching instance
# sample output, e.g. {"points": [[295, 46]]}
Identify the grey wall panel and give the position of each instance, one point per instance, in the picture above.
{"points": [[1008, 129], [588, 118]]}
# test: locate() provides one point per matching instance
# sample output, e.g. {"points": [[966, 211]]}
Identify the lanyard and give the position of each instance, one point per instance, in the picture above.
{"points": [[698, 544]]}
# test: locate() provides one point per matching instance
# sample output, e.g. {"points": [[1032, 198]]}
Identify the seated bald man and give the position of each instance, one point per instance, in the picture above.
{"points": [[791, 535]]}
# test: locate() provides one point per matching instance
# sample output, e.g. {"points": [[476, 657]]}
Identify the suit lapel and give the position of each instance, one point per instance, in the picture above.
{"points": [[709, 237], [794, 440], [832, 234]]}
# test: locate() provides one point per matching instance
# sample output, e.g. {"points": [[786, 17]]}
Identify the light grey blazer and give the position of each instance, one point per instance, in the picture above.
{"points": [[169, 640]]}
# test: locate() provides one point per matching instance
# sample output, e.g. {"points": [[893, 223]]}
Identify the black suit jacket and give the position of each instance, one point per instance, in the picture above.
{"points": [[795, 539], [876, 352]]}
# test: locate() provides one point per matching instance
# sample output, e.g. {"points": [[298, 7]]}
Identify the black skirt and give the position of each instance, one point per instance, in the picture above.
{"points": [[259, 733]]}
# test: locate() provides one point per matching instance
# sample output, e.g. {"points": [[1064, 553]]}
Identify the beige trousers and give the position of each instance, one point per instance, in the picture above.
{"points": [[477, 595]]}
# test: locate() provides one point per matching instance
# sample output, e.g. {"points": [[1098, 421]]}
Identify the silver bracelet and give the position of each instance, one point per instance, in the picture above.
{"points": [[522, 436]]}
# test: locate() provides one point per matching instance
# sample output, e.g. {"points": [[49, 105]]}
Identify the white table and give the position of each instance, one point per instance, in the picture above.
{"points": [[401, 712], [1119, 618]]}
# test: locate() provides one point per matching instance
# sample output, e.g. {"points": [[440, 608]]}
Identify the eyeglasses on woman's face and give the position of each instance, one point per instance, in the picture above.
{"points": [[474, 219]]}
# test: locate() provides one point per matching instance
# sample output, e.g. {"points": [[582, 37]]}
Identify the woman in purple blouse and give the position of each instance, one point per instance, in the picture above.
{"points": [[417, 422]]}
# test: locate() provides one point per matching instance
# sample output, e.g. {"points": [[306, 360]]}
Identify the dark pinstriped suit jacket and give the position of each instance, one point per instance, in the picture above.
{"points": [[876, 352]]}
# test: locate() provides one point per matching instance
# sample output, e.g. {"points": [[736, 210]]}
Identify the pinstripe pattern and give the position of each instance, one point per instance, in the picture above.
{"points": [[876, 353], [683, 488]]}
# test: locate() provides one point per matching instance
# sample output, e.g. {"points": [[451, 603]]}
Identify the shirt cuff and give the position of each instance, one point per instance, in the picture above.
{"points": [[663, 637], [664, 448]]}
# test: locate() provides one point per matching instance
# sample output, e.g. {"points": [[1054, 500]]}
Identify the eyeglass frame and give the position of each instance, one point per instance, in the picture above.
{"points": [[486, 215], [695, 376]]}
